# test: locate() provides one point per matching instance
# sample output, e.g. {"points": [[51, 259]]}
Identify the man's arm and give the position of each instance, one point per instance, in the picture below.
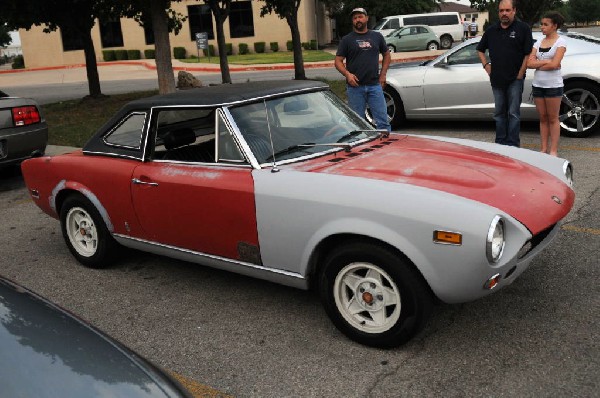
{"points": [[351, 79], [484, 62], [385, 64], [523, 68]]}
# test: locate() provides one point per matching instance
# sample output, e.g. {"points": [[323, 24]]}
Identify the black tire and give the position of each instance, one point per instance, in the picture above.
{"points": [[395, 107], [389, 303], [391, 48], [85, 233], [432, 45], [446, 41], [580, 111]]}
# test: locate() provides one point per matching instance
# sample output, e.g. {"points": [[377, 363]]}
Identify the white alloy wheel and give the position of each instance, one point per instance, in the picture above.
{"points": [[82, 232], [367, 297]]}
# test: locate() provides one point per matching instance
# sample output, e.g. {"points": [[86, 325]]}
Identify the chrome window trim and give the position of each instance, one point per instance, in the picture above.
{"points": [[239, 137], [112, 130], [224, 114], [113, 155]]}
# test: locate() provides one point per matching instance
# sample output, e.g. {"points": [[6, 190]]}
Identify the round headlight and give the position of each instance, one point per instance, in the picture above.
{"points": [[568, 170], [495, 240]]}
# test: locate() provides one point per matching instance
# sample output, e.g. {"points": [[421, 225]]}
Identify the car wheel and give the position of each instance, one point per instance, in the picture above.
{"points": [[432, 46], [580, 109], [85, 233], [373, 295], [395, 107], [391, 48], [446, 41]]}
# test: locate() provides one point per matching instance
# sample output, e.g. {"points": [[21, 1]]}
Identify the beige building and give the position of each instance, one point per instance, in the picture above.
{"points": [[244, 25]]}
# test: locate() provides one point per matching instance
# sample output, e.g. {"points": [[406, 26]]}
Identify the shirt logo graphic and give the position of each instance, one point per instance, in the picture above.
{"points": [[363, 44], [513, 34]]}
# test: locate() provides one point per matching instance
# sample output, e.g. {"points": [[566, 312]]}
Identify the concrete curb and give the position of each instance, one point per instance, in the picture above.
{"points": [[191, 68]]}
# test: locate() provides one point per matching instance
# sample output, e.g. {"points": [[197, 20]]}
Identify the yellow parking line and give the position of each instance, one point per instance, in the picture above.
{"points": [[197, 389], [579, 229]]}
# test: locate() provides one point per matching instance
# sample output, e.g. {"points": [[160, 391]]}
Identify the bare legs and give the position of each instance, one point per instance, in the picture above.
{"points": [[548, 109]]}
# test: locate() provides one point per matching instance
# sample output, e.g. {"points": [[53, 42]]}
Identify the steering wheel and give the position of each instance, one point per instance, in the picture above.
{"points": [[331, 130]]}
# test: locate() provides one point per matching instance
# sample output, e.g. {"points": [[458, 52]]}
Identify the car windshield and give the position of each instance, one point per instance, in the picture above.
{"points": [[299, 125]]}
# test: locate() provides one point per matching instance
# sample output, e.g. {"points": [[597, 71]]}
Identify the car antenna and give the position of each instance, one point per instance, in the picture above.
{"points": [[275, 169]]}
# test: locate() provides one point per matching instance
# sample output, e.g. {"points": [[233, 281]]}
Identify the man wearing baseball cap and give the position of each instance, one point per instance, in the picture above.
{"points": [[364, 82]]}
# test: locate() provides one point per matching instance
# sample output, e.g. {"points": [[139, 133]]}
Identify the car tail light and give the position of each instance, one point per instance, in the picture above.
{"points": [[25, 115]]}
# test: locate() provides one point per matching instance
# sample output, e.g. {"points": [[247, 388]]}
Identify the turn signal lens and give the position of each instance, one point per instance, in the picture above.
{"points": [[492, 282], [452, 238], [24, 115]]}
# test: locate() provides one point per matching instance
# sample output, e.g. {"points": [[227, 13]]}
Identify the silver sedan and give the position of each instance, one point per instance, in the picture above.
{"points": [[454, 86]]}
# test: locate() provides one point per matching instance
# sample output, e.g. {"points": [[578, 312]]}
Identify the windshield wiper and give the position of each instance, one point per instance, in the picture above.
{"points": [[353, 133], [290, 149]]}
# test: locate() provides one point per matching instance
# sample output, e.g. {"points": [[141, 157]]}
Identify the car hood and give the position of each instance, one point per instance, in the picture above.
{"points": [[48, 352], [534, 197]]}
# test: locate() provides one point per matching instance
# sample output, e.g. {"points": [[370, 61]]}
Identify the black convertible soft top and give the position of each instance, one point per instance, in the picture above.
{"points": [[223, 94], [211, 96]]}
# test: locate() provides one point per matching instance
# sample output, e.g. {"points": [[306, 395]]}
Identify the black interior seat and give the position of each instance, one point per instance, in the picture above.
{"points": [[178, 144]]}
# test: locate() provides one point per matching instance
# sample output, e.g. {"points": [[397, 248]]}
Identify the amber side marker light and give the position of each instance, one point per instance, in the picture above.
{"points": [[446, 237], [492, 282]]}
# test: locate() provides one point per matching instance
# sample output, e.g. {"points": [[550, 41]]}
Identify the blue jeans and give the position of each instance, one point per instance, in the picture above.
{"points": [[359, 97], [507, 113]]}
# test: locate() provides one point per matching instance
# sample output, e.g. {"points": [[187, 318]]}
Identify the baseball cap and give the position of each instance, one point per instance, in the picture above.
{"points": [[360, 10]]}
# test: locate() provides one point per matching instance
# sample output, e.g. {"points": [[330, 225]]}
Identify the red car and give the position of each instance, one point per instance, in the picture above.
{"points": [[282, 181]]}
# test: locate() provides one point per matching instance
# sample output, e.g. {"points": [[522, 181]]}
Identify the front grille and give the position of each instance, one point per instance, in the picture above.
{"points": [[534, 241]]}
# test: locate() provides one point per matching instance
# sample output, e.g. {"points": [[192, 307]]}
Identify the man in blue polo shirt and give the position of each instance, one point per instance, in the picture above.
{"points": [[509, 43]]}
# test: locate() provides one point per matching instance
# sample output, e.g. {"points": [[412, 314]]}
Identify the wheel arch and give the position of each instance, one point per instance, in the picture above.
{"points": [[329, 243], [65, 189], [582, 79]]}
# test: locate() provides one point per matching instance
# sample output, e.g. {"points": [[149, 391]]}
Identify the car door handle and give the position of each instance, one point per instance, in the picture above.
{"points": [[138, 181]]}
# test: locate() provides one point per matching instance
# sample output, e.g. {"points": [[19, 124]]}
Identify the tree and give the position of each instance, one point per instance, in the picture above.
{"points": [[5, 38], [220, 10], [288, 9], [584, 10], [529, 11], [158, 15], [75, 18]]}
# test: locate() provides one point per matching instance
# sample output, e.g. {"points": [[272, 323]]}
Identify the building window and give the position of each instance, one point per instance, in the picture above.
{"points": [[149, 34], [110, 33], [70, 41], [241, 22], [201, 20]]}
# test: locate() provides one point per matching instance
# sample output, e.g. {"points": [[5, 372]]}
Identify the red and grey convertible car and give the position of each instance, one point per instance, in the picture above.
{"points": [[282, 181]]}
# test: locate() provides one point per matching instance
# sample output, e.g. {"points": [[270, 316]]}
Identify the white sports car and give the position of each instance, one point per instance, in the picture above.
{"points": [[454, 86]]}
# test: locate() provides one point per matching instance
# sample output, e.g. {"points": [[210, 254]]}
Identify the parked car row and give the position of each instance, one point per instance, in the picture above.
{"points": [[454, 86]]}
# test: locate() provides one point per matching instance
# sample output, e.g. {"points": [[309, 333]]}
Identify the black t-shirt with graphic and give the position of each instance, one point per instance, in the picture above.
{"points": [[361, 51]]}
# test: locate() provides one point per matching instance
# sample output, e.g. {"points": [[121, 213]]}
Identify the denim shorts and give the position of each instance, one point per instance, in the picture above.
{"points": [[540, 92]]}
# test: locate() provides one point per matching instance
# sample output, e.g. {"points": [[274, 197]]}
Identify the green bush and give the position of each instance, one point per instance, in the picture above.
{"points": [[120, 55], [243, 48], [274, 46], [314, 45], [18, 62], [179, 52], [210, 51], [259, 47], [108, 55], [149, 53], [305, 45], [229, 48], [134, 54], [289, 45]]}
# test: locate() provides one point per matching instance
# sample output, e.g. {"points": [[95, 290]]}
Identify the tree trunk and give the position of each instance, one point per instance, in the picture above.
{"points": [[292, 21], [225, 75], [162, 44], [91, 66]]}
